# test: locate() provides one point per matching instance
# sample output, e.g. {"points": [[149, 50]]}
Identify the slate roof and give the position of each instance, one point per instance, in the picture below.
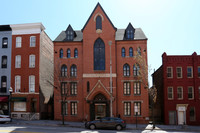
{"points": [[139, 34], [62, 37], [120, 34]]}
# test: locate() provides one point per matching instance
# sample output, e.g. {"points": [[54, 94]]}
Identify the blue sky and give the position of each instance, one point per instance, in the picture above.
{"points": [[171, 26]]}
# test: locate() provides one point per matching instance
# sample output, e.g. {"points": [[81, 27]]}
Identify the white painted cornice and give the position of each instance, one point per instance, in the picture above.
{"points": [[29, 28]]}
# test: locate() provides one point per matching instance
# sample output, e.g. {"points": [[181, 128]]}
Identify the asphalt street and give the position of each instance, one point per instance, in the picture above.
{"points": [[15, 128]]}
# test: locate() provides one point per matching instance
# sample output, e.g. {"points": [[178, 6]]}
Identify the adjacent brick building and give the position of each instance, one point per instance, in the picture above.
{"points": [[180, 84], [31, 72], [82, 71], [5, 67]]}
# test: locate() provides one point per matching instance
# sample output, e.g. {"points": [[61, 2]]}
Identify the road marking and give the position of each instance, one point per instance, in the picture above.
{"points": [[12, 131]]}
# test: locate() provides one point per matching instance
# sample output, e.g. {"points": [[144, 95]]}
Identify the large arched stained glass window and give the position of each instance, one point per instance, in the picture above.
{"points": [[99, 55]]}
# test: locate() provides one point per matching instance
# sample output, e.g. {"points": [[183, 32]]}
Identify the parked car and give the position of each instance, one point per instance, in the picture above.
{"points": [[4, 118], [106, 122]]}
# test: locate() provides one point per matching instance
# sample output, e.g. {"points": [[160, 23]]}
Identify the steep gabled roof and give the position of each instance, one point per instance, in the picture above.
{"points": [[130, 26], [69, 28], [98, 4]]}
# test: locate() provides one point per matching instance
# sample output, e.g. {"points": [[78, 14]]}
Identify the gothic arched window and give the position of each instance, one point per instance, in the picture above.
{"points": [[136, 69], [75, 53], [130, 52], [61, 53], [73, 72], [98, 23], [126, 69], [123, 52], [99, 55], [63, 71], [68, 53]]}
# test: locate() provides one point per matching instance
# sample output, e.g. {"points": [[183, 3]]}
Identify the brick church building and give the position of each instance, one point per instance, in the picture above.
{"points": [[101, 71]]}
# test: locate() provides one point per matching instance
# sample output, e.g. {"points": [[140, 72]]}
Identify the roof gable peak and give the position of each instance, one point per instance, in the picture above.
{"points": [[98, 5], [69, 28], [130, 26]]}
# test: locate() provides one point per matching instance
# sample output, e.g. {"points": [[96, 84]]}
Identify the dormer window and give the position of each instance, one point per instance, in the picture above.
{"points": [[70, 34], [98, 23], [130, 32]]}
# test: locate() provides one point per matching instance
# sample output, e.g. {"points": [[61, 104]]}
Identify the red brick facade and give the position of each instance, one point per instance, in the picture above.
{"points": [[31, 95], [24, 71], [181, 89], [93, 86]]}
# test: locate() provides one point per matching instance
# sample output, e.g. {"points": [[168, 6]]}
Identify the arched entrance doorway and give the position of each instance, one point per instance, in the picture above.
{"points": [[99, 107]]}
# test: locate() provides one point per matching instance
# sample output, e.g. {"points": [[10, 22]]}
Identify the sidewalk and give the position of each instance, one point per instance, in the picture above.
{"points": [[129, 126]]}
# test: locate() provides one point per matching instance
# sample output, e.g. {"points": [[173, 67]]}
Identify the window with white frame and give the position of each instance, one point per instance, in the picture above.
{"points": [[127, 88], [137, 108], [74, 108], [18, 61], [64, 108], [127, 108], [179, 72], [169, 72], [31, 83], [170, 93], [180, 92], [190, 92], [137, 88], [32, 41], [18, 42], [17, 83], [31, 61], [189, 72]]}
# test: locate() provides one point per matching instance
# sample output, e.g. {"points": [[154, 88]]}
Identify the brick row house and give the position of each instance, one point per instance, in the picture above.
{"points": [[31, 72], [179, 83], [5, 67], [101, 71]]}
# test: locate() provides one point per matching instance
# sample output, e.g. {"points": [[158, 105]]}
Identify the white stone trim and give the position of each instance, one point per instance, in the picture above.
{"points": [[99, 75], [25, 93], [98, 83]]}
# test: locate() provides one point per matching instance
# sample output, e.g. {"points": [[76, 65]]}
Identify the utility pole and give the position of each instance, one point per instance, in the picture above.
{"points": [[110, 43]]}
